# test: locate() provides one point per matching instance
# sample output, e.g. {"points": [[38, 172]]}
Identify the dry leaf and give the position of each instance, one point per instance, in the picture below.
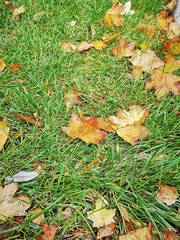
{"points": [[74, 234], [7, 226], [2, 65], [101, 216], [49, 232], [139, 234], [67, 213], [113, 17], [38, 220], [148, 29], [18, 11], [171, 5], [127, 9], [167, 194], [12, 206], [145, 45], [106, 231], [172, 46], [31, 120], [173, 30], [68, 46], [4, 131], [171, 64], [108, 37], [163, 20], [24, 176], [125, 49], [170, 235], [72, 97], [163, 83], [99, 44], [124, 213], [83, 46], [9, 4], [15, 67]]}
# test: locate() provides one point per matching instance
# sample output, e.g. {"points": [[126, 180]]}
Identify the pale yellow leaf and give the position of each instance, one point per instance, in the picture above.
{"points": [[4, 131]]}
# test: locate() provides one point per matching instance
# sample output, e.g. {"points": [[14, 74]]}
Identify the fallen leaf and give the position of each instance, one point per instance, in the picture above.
{"points": [[31, 120], [4, 131], [6, 226], [145, 45], [139, 234], [67, 213], [170, 235], [83, 46], [24, 176], [99, 44], [113, 17], [18, 11], [2, 65], [125, 49], [171, 64], [124, 213], [106, 231], [67, 46], [167, 194], [38, 220], [12, 206], [108, 37], [173, 30], [101, 216], [9, 4], [163, 83], [148, 29], [72, 97], [15, 67], [127, 9], [49, 232], [74, 234], [163, 20], [171, 5], [172, 45]]}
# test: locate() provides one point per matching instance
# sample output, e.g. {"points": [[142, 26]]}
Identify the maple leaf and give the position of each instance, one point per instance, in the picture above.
{"points": [[167, 194], [83, 130], [18, 11], [163, 20], [125, 49], [4, 130], [12, 206], [2, 65], [101, 216], [148, 29], [172, 45], [31, 120], [170, 235], [171, 64], [72, 97], [139, 234], [113, 16], [128, 124], [163, 83], [49, 232]]}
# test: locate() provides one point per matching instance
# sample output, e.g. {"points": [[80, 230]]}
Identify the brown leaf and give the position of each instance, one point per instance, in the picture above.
{"points": [[6, 226], [49, 232], [31, 120], [9, 4], [106, 231], [2, 65], [125, 49], [72, 97], [148, 29], [15, 67], [74, 234], [170, 235], [83, 46], [38, 220], [12, 206], [124, 213], [172, 46], [4, 131], [171, 5], [167, 194], [139, 234], [173, 30], [113, 18], [18, 11], [163, 83]]}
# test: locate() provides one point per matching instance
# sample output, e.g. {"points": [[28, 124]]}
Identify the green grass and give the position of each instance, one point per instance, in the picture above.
{"points": [[122, 178]]}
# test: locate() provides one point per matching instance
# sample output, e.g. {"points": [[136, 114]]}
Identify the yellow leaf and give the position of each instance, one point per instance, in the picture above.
{"points": [[18, 11], [101, 216], [99, 44], [113, 18], [2, 65], [4, 131], [139, 234], [125, 49]]}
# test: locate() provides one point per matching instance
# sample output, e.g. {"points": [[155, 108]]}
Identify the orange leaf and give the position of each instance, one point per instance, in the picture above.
{"points": [[148, 29], [49, 232], [125, 49], [113, 18], [139, 234], [15, 67], [167, 194], [68, 46], [9, 4], [31, 120], [2, 65], [170, 235], [163, 83], [172, 46]]}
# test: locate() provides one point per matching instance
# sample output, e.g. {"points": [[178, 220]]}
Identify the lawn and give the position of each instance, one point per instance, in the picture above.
{"points": [[75, 173]]}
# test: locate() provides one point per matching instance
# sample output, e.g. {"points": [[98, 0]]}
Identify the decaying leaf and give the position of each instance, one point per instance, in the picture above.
{"points": [[15, 67], [139, 234], [18, 11], [4, 131], [49, 232], [67, 46], [163, 83], [2, 65], [128, 124], [167, 194], [101, 216], [113, 16], [148, 29], [24, 176], [9, 4], [124, 213], [72, 97], [12, 206], [106, 231], [125, 49], [6, 226], [31, 120], [170, 235], [38, 220], [172, 45], [83, 46], [66, 213]]}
